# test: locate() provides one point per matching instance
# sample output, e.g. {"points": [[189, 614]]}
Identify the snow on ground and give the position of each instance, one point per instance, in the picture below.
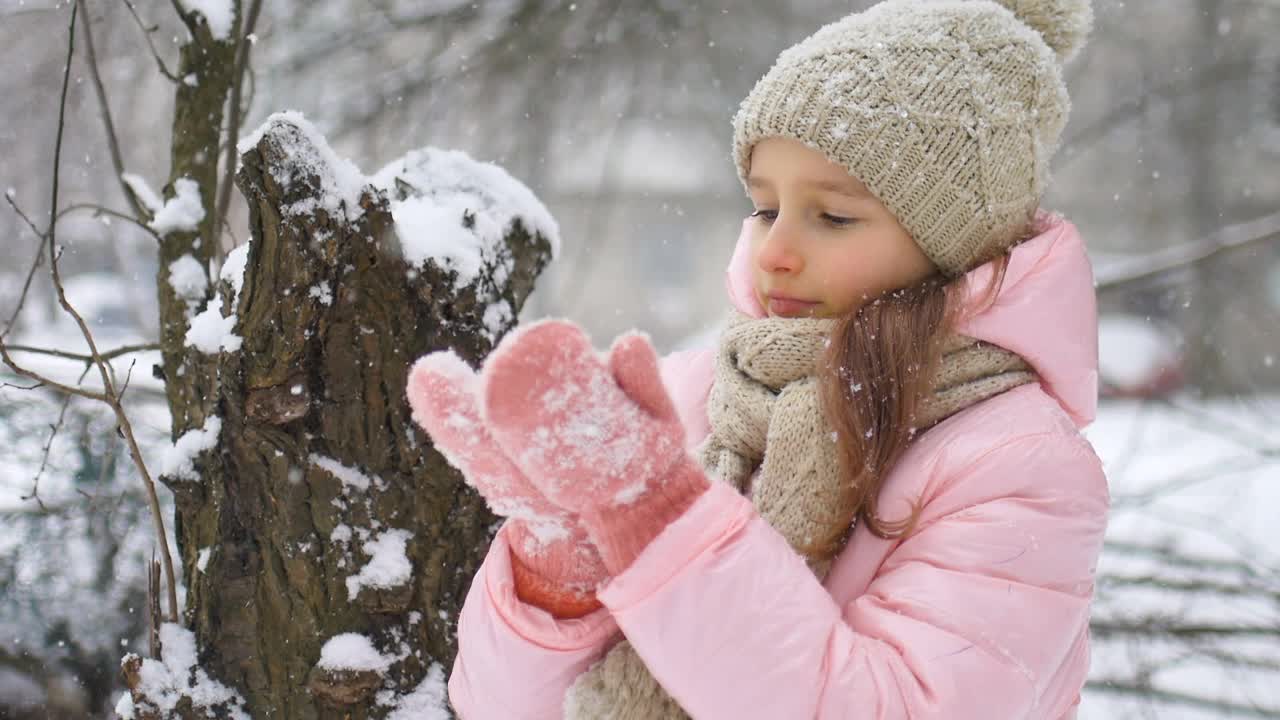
{"points": [[1194, 502]]}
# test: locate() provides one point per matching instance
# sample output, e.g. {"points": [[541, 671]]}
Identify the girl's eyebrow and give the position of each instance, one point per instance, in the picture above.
{"points": [[842, 187]]}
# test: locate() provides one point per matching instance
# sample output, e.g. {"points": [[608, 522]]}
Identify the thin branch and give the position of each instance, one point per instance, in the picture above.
{"points": [[1225, 707], [146, 33], [109, 396], [51, 236], [1186, 561], [46, 381], [233, 126], [128, 375], [1227, 427], [44, 460], [66, 508], [39, 233], [100, 210], [1150, 265], [1215, 470], [113, 142], [1159, 626], [1164, 582], [26, 287], [1134, 104], [109, 355]]}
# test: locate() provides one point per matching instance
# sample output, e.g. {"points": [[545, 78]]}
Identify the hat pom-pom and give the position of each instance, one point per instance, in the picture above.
{"points": [[1064, 24]]}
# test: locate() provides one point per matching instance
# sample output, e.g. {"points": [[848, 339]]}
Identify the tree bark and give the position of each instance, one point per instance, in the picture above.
{"points": [[331, 317]]}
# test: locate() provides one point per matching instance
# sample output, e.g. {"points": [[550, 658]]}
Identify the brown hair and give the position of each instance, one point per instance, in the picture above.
{"points": [[878, 368]]}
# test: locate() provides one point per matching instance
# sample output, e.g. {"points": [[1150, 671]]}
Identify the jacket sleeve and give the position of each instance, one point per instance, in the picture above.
{"points": [[972, 616], [516, 660]]}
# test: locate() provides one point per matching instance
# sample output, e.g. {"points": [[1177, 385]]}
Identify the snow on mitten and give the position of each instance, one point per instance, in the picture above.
{"points": [[598, 436], [555, 565]]}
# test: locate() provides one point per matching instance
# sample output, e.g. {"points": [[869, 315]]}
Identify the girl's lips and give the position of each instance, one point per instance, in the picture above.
{"points": [[790, 308]]}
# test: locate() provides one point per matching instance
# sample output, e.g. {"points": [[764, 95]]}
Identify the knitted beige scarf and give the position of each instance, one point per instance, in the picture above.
{"points": [[765, 396]]}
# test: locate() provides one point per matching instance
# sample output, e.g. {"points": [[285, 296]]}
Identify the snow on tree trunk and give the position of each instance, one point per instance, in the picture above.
{"points": [[314, 508]]}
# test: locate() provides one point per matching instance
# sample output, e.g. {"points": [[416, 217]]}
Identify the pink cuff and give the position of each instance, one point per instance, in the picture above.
{"points": [[715, 517], [622, 532], [533, 623]]}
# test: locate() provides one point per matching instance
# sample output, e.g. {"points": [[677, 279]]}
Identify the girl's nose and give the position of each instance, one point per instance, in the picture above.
{"points": [[777, 252]]}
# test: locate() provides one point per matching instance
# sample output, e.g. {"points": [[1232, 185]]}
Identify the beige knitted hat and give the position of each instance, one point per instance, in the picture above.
{"points": [[947, 110]]}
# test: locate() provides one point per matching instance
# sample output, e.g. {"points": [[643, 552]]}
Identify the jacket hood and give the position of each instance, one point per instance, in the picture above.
{"points": [[1045, 311]]}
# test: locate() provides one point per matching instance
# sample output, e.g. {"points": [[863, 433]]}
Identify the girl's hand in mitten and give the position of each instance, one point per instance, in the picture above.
{"points": [[598, 436], [555, 564]]}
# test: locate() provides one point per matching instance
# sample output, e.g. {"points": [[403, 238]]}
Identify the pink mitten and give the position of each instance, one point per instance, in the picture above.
{"points": [[556, 566], [602, 441]]}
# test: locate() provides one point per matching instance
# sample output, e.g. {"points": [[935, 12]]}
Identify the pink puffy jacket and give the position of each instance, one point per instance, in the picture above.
{"points": [[983, 612]]}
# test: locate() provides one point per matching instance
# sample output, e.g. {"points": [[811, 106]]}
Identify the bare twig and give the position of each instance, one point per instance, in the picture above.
{"points": [[146, 33], [128, 375], [109, 355], [113, 142], [51, 235], [1226, 427], [1171, 557], [27, 220], [1125, 687], [26, 287], [1208, 472], [44, 460], [1164, 626], [100, 210], [233, 126], [1149, 265], [1132, 105], [1164, 582]]}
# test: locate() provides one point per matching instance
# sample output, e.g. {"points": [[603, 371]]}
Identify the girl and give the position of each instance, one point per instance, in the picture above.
{"points": [[887, 509]]}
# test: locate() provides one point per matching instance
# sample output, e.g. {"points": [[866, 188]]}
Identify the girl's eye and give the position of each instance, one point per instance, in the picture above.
{"points": [[770, 216]]}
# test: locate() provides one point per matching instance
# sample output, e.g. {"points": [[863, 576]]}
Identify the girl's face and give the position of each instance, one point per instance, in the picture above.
{"points": [[821, 244]]}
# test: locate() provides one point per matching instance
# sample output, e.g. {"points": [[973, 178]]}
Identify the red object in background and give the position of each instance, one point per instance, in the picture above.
{"points": [[1138, 357]]}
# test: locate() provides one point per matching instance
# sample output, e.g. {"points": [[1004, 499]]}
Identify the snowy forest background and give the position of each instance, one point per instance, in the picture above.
{"points": [[616, 115]]}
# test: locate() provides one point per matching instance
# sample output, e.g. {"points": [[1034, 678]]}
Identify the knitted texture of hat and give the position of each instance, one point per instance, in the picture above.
{"points": [[949, 111]]}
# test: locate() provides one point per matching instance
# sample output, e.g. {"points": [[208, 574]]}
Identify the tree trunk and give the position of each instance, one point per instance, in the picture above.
{"points": [[317, 454], [316, 464]]}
